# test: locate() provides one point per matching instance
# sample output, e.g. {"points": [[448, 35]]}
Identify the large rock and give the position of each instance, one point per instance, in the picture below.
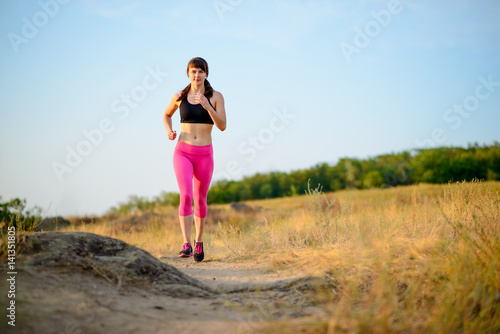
{"points": [[111, 259], [52, 224], [245, 208]]}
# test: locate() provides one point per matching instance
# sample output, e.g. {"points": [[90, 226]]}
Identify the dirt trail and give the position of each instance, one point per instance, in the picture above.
{"points": [[229, 275], [121, 289]]}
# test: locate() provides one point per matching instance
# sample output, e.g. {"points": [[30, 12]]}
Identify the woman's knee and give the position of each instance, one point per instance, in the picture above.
{"points": [[186, 205], [201, 210]]}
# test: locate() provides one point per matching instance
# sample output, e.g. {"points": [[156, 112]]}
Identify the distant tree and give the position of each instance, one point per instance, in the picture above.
{"points": [[167, 199], [266, 191], [352, 169], [373, 179]]}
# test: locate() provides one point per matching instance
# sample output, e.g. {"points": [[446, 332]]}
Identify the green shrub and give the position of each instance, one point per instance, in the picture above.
{"points": [[15, 213]]}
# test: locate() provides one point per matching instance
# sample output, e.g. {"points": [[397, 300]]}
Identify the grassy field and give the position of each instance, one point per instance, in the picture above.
{"points": [[417, 259]]}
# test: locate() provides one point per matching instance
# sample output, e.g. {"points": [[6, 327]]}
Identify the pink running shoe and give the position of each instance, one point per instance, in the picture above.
{"points": [[187, 250], [199, 255]]}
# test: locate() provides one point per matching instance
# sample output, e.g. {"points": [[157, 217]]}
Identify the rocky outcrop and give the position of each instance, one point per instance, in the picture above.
{"points": [[111, 259], [245, 208], [52, 224]]}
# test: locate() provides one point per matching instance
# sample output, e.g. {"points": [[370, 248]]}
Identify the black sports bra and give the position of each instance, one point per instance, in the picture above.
{"points": [[194, 113]]}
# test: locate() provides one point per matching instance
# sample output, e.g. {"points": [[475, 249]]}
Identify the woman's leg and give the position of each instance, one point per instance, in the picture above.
{"points": [[184, 174], [186, 224], [199, 224], [203, 170]]}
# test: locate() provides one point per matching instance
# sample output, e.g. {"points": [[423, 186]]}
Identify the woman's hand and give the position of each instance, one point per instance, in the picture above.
{"points": [[202, 99], [172, 134]]}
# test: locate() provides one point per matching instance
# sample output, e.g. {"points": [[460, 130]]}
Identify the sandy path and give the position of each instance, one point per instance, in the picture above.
{"points": [[260, 294], [227, 274]]}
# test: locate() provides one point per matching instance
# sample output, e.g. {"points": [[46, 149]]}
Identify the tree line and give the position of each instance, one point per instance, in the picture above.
{"points": [[433, 165]]}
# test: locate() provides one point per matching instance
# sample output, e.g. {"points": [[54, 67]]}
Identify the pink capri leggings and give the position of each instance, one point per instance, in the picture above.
{"points": [[193, 166]]}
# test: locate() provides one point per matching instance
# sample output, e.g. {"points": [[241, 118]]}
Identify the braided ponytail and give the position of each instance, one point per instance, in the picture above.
{"points": [[209, 91]]}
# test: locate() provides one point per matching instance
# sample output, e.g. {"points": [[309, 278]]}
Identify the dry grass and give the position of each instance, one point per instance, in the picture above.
{"points": [[418, 259]]}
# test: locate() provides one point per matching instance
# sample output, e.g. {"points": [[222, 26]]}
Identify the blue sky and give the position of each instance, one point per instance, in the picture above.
{"points": [[84, 84]]}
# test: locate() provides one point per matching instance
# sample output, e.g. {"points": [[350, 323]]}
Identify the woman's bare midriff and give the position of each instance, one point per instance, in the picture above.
{"points": [[196, 134]]}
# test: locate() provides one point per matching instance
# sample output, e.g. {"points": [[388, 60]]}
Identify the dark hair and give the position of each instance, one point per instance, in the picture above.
{"points": [[200, 63]]}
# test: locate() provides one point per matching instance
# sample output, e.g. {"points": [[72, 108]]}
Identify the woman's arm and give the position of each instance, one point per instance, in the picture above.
{"points": [[167, 116], [218, 113]]}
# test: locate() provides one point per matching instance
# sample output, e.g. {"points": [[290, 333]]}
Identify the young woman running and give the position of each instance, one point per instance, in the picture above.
{"points": [[200, 108]]}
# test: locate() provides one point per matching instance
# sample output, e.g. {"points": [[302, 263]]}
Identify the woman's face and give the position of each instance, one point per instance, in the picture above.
{"points": [[196, 75]]}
